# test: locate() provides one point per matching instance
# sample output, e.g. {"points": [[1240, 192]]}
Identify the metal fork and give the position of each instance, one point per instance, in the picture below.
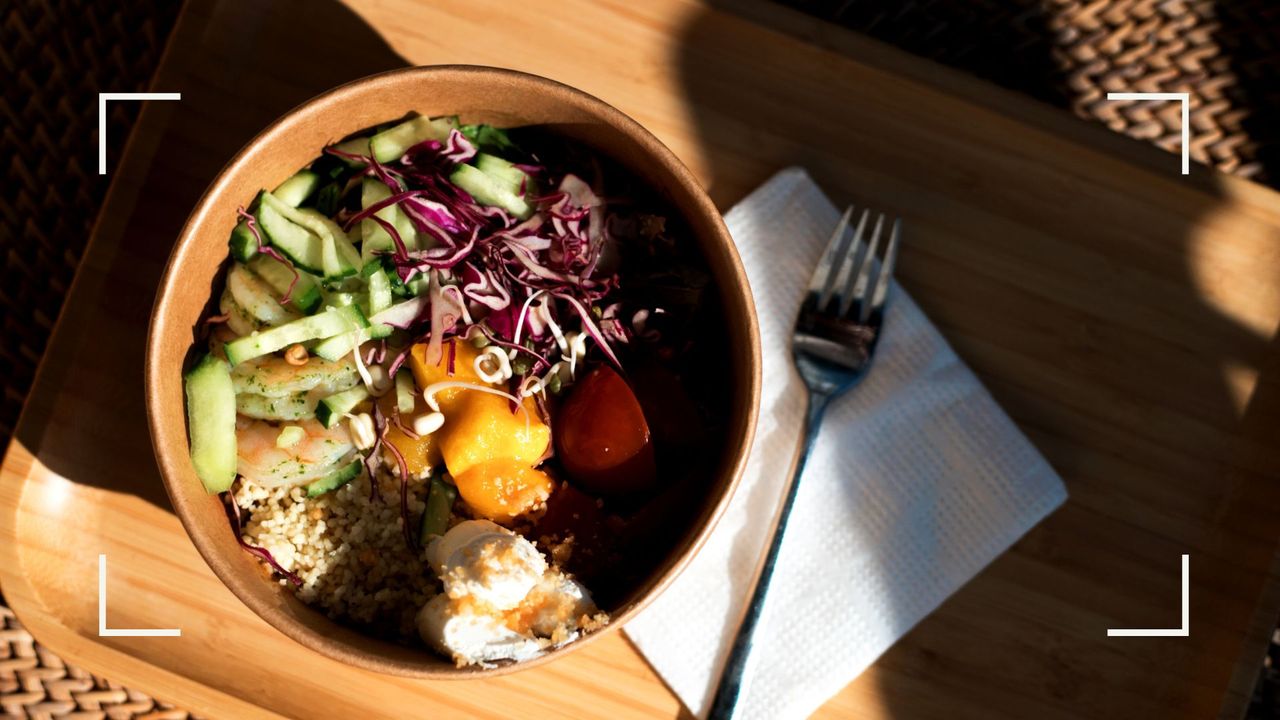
{"points": [[834, 337]]}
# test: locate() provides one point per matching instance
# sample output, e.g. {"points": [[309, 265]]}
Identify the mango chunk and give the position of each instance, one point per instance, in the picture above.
{"points": [[502, 490], [421, 454], [481, 427], [464, 370]]}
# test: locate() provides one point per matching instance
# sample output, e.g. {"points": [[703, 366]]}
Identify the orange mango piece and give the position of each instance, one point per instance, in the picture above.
{"points": [[481, 428], [464, 370], [421, 454], [504, 489]]}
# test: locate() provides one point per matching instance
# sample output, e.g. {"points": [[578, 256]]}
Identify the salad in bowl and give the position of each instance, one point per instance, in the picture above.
{"points": [[454, 383]]}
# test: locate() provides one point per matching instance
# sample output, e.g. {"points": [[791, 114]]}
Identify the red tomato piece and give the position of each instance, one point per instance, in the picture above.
{"points": [[602, 438]]}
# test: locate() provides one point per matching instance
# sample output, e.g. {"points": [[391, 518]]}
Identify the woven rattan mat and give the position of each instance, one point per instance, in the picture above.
{"points": [[1071, 53], [56, 55]]}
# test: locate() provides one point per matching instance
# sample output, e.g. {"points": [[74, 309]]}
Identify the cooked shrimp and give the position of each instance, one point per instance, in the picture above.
{"points": [[321, 451], [238, 319], [274, 376]]}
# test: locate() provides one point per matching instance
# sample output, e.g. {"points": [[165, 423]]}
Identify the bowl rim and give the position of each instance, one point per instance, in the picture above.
{"points": [[168, 459]]}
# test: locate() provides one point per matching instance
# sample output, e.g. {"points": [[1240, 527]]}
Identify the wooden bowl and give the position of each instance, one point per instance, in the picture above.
{"points": [[476, 94]]}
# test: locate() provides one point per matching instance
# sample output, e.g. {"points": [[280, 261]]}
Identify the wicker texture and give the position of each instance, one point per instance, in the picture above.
{"points": [[36, 684], [56, 56], [1225, 54]]}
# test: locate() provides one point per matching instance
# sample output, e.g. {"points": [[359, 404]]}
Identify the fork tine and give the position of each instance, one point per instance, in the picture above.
{"points": [[886, 270], [857, 296], [851, 261], [820, 283]]}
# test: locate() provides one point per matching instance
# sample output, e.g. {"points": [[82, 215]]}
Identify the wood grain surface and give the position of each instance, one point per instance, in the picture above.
{"points": [[1125, 316]]}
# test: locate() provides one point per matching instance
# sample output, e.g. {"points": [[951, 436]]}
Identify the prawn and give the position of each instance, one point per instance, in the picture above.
{"points": [[274, 376], [261, 461]]}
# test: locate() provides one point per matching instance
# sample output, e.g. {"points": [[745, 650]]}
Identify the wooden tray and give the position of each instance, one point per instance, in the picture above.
{"points": [[1124, 315]]}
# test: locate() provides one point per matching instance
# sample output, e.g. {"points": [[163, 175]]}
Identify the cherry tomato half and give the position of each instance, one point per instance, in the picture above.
{"points": [[602, 438]]}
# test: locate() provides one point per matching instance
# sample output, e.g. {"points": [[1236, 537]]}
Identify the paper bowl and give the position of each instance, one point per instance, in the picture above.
{"points": [[476, 94]]}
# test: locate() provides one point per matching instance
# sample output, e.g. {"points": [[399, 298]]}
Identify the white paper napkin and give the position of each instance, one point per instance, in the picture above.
{"points": [[918, 480]]}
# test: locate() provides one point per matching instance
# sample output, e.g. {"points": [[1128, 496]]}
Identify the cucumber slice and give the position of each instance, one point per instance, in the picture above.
{"points": [[211, 422], [391, 143], [418, 285], [505, 173], [338, 256], [405, 392], [331, 322], [303, 248], [335, 479], [306, 295], [257, 297], [342, 299], [440, 499], [295, 191], [375, 238], [332, 409], [244, 246], [335, 348], [379, 291], [354, 146], [288, 407], [380, 325], [488, 191]]}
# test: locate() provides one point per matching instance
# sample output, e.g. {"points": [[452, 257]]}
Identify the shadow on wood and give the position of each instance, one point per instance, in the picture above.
{"points": [[98, 349]]}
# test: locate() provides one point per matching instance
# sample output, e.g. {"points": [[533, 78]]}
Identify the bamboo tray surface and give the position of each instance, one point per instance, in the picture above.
{"points": [[1125, 316]]}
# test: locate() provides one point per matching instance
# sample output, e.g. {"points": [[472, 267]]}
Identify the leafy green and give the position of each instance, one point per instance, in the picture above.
{"points": [[488, 138]]}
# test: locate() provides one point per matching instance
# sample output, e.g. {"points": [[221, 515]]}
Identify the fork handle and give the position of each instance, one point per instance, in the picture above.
{"points": [[732, 677]]}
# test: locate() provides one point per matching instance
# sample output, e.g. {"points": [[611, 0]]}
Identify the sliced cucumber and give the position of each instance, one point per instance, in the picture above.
{"points": [[376, 238], [335, 479], [405, 393], [335, 348], [288, 407], [440, 499], [339, 257], [257, 297], [211, 422], [354, 146], [379, 291], [391, 143], [289, 436], [331, 322], [342, 299], [306, 295], [295, 191], [303, 247], [244, 246], [418, 285], [332, 409], [505, 173], [489, 191]]}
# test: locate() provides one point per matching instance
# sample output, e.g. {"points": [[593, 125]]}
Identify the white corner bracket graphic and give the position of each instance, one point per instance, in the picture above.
{"points": [[102, 117], [103, 630], [1185, 98], [1185, 630]]}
